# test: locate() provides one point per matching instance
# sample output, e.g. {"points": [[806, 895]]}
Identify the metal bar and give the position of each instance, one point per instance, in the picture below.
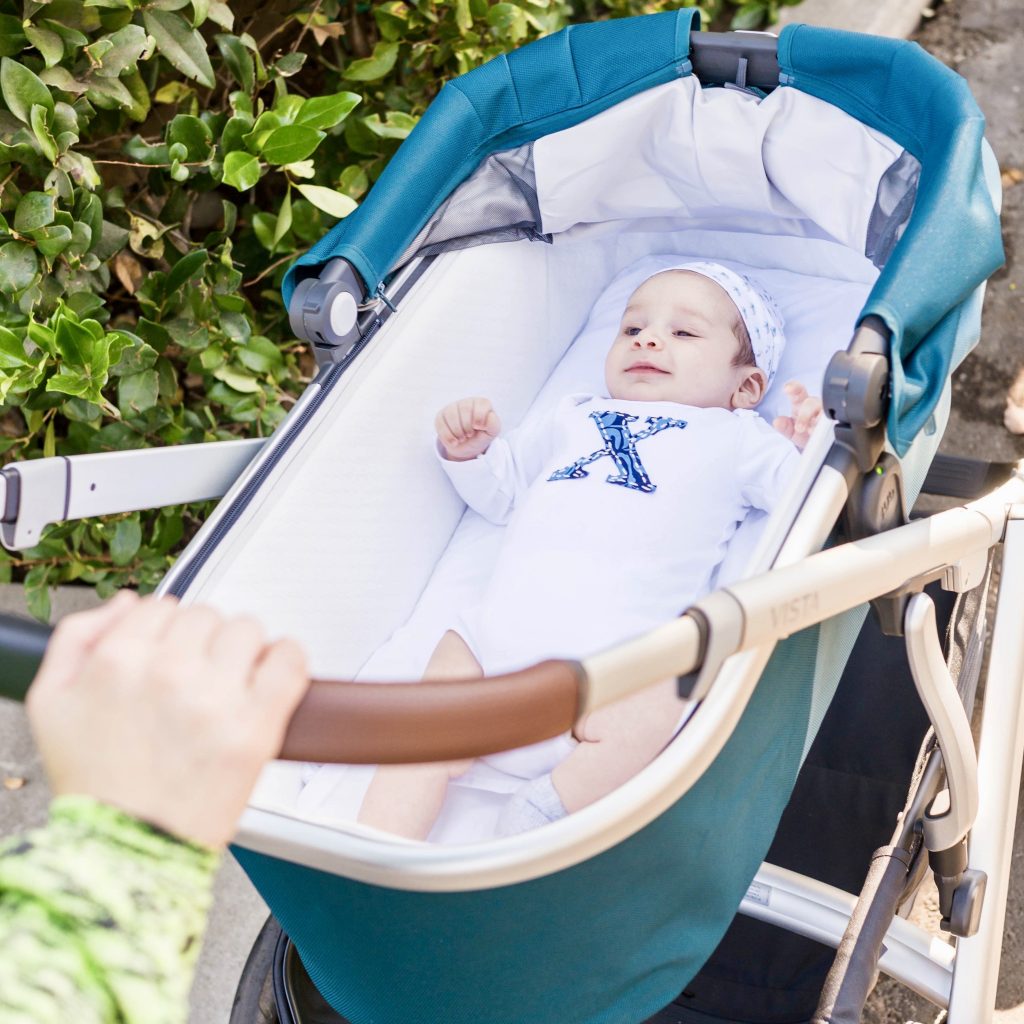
{"points": [[1001, 751], [807, 907], [75, 487]]}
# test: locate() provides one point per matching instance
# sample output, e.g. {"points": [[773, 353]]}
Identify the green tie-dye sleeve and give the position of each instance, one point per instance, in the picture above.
{"points": [[101, 919]]}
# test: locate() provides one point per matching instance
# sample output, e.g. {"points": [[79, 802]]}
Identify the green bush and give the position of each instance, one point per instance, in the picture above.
{"points": [[161, 163]]}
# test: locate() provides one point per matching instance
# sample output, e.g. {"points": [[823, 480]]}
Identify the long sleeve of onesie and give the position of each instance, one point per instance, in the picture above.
{"points": [[495, 481], [765, 463], [102, 917]]}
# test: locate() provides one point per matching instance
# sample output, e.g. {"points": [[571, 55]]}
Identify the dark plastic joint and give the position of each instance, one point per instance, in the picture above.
{"points": [[855, 393], [324, 311], [746, 59]]}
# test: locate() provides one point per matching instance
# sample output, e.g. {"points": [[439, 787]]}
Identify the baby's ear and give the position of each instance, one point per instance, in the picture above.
{"points": [[751, 388]]}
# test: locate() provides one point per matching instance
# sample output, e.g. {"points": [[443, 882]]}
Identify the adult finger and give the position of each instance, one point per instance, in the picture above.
{"points": [[192, 629], [277, 684], [76, 636], [236, 647], [141, 629]]}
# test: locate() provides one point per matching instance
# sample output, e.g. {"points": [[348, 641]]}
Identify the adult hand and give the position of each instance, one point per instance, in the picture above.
{"points": [[167, 712], [466, 428]]}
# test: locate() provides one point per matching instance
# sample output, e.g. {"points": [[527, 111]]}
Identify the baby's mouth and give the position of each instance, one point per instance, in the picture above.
{"points": [[645, 368]]}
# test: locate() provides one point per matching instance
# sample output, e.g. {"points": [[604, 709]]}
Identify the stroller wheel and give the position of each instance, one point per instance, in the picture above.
{"points": [[254, 997], [274, 987]]}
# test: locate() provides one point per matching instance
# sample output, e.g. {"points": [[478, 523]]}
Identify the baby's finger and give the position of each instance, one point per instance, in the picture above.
{"points": [[451, 421], [796, 393], [481, 410], [466, 416], [808, 412], [784, 425], [492, 425]]}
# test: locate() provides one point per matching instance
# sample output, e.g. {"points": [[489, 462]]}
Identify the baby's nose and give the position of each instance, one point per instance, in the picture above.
{"points": [[648, 340]]}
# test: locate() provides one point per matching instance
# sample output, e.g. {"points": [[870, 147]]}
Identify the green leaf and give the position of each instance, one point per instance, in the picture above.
{"points": [[12, 39], [126, 541], [35, 210], [12, 351], [185, 269], [324, 112], [463, 16], [260, 355], [242, 170], [353, 181], [128, 45], [89, 210], [509, 21], [750, 16], [239, 380], [395, 125], [326, 199], [137, 392], [48, 43], [191, 133], [375, 67], [290, 64], [22, 89], [221, 14], [284, 218], [37, 594], [52, 240], [18, 266], [181, 44], [144, 153], [291, 142], [238, 60], [38, 117]]}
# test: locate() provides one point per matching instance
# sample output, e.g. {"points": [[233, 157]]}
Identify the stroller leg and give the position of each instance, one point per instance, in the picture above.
{"points": [[976, 972]]}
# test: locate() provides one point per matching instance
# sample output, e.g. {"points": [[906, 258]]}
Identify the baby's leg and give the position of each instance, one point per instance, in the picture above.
{"points": [[616, 741], [406, 799]]}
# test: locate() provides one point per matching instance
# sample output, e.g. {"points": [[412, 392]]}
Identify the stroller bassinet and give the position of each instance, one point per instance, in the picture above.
{"points": [[525, 188]]}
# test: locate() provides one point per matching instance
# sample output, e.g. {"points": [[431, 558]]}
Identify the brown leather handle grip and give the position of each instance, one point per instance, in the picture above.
{"points": [[411, 723]]}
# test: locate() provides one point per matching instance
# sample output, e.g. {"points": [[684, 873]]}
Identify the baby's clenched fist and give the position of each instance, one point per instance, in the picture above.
{"points": [[466, 428]]}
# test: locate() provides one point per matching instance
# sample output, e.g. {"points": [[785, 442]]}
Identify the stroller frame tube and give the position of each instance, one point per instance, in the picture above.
{"points": [[821, 912], [1001, 751], [36, 493]]}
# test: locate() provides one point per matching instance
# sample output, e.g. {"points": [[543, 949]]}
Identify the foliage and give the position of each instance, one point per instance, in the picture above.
{"points": [[161, 161]]}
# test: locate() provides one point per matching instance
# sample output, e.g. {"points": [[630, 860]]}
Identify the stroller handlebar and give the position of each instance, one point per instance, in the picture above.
{"points": [[399, 723]]}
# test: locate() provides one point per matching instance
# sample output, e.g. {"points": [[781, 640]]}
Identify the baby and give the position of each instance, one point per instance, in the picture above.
{"points": [[592, 557]]}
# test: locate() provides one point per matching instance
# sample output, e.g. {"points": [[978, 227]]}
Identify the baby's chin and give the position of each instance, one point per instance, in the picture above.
{"points": [[648, 391]]}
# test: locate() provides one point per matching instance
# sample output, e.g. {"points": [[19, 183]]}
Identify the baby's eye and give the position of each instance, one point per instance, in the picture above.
{"points": [[631, 332], [683, 333]]}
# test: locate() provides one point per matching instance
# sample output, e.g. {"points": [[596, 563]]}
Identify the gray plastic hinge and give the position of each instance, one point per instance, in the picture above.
{"points": [[855, 392], [324, 311]]}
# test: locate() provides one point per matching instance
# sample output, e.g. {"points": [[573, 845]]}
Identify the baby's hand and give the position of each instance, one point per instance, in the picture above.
{"points": [[466, 428], [805, 412]]}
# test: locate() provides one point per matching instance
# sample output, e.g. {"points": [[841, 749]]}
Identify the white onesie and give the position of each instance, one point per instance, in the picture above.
{"points": [[618, 513]]}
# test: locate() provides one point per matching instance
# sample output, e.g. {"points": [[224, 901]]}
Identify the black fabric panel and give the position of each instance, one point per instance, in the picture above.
{"points": [[845, 805]]}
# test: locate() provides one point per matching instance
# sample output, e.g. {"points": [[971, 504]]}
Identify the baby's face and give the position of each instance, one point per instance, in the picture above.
{"points": [[676, 343]]}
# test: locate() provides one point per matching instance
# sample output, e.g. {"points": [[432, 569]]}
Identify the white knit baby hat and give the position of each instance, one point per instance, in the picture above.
{"points": [[759, 311]]}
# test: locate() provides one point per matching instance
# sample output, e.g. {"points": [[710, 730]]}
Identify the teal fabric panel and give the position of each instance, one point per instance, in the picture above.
{"points": [[608, 941], [952, 243], [544, 87]]}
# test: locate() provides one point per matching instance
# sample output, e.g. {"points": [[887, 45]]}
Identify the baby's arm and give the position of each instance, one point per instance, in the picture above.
{"points": [[805, 412]]}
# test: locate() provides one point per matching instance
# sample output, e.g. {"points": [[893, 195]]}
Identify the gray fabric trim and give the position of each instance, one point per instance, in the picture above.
{"points": [[496, 203], [897, 191]]}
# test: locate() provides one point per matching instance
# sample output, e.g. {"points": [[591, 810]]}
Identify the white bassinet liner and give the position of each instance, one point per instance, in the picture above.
{"points": [[340, 541], [332, 794]]}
